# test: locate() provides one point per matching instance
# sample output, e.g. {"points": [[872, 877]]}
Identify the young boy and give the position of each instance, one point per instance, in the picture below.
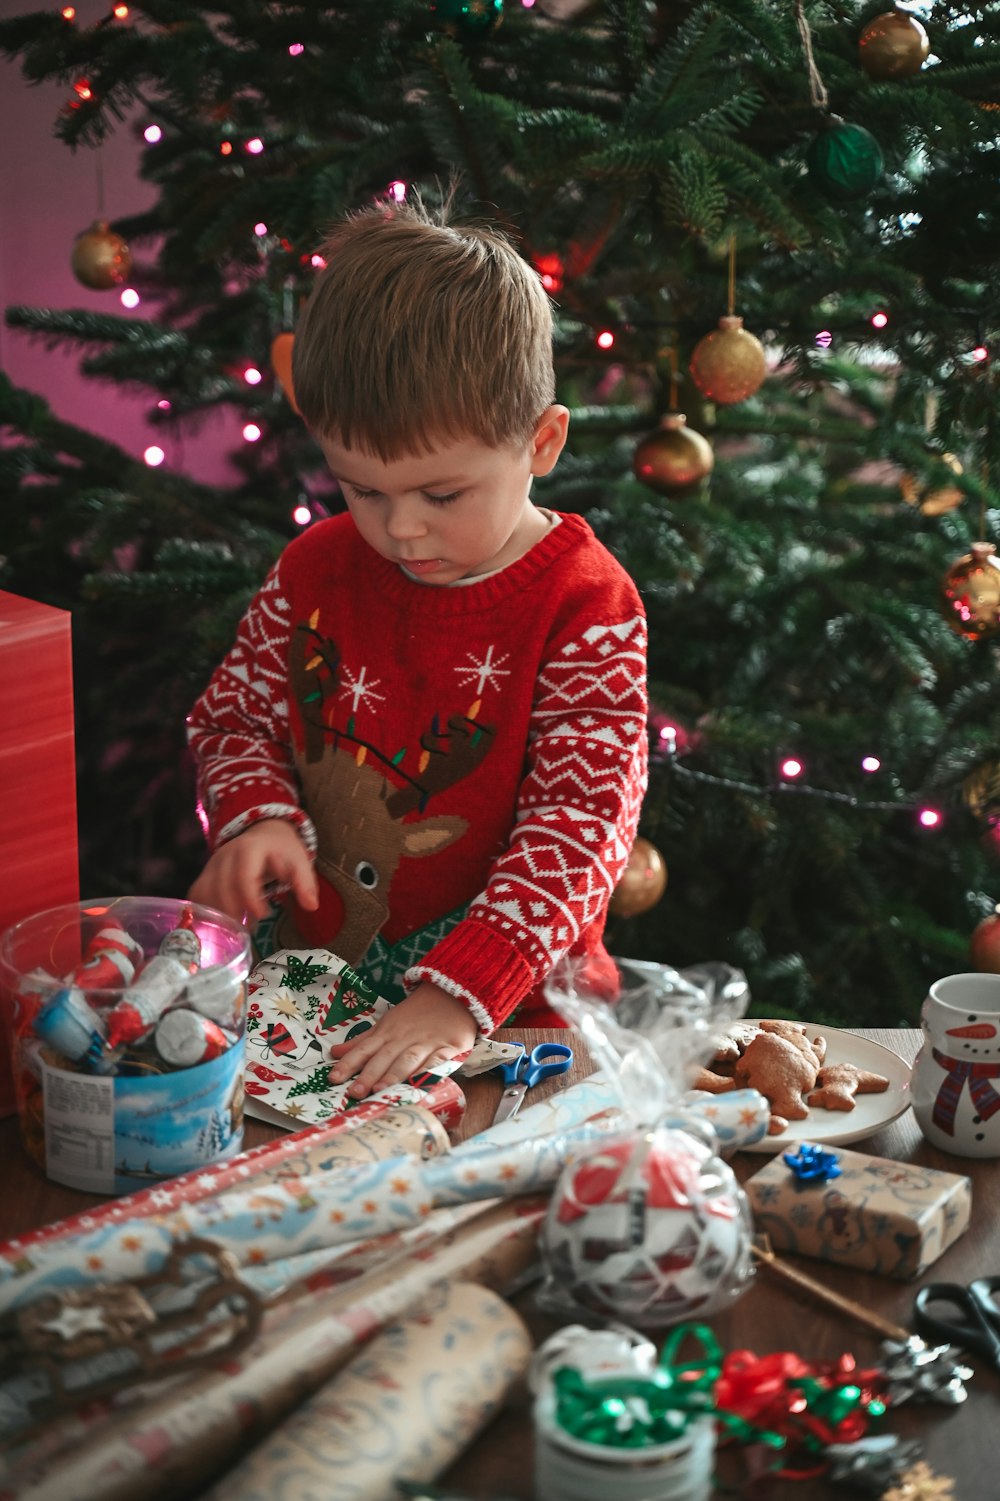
{"points": [[430, 733]]}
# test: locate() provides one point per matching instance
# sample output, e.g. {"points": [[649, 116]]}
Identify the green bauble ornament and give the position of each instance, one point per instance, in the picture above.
{"points": [[467, 18], [844, 161]]}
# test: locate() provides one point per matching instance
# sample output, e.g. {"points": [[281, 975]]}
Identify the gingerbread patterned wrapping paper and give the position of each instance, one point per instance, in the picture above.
{"points": [[163, 1443], [404, 1408], [890, 1217]]}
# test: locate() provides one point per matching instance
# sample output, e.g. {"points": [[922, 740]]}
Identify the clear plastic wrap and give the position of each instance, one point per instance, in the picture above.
{"points": [[651, 1227]]}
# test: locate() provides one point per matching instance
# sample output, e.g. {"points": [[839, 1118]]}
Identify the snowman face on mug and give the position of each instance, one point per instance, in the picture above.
{"points": [[961, 1017]]}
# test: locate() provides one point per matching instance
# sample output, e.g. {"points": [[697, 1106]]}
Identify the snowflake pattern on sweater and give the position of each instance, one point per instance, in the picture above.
{"points": [[478, 751]]}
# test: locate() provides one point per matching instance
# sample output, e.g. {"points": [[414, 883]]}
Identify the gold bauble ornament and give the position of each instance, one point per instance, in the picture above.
{"points": [[981, 790], [674, 457], [642, 883], [984, 945], [894, 45], [933, 502], [281, 364], [971, 590], [729, 364], [101, 259]]}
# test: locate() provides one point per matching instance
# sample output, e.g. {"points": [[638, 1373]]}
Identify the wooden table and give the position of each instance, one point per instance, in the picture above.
{"points": [[770, 1316]]}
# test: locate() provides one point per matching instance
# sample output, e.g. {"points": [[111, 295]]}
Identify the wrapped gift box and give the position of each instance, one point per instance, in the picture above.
{"points": [[38, 833], [890, 1217]]}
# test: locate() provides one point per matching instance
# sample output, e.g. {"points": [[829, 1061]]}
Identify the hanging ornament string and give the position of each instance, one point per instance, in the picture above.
{"points": [[731, 305], [100, 180], [818, 96]]}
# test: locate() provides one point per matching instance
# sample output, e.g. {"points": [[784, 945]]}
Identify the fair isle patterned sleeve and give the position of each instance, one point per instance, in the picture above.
{"points": [[238, 730], [578, 811]]}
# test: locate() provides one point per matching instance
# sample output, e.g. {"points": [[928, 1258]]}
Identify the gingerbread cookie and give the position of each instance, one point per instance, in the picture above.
{"points": [[837, 1084], [780, 1070]]}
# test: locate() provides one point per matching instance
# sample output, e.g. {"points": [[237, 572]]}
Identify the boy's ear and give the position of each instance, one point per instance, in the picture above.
{"points": [[549, 439]]}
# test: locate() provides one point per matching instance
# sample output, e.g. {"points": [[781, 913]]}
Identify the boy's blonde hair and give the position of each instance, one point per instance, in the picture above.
{"points": [[419, 331]]}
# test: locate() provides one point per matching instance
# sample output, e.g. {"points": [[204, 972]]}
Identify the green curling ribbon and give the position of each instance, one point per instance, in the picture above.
{"points": [[844, 160], [635, 1412]]}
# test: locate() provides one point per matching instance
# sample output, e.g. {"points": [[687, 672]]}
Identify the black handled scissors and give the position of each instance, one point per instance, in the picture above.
{"points": [[966, 1315]]}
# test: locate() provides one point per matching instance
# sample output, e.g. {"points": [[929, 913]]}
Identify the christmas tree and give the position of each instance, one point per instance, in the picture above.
{"points": [[798, 495]]}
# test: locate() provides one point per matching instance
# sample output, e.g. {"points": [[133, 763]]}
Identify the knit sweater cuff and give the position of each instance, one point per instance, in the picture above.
{"points": [[479, 967]]}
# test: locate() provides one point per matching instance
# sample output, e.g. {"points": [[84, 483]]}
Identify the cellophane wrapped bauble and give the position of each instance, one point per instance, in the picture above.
{"points": [[893, 45], [845, 161], [674, 458], [101, 259], [729, 364], [651, 1229], [971, 591]]}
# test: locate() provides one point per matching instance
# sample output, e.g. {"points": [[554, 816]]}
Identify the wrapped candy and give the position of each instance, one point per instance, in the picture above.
{"points": [[651, 1226]]}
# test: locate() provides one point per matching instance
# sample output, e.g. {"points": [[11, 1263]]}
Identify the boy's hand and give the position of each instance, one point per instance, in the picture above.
{"points": [[236, 877], [429, 1026]]}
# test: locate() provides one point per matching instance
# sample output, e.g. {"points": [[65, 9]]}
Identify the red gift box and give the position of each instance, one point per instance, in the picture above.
{"points": [[38, 835]]}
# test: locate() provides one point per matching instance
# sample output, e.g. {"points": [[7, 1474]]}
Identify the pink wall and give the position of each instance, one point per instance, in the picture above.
{"points": [[48, 195]]}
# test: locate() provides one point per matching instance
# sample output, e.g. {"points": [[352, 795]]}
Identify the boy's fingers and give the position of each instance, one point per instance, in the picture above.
{"points": [[384, 1068]]}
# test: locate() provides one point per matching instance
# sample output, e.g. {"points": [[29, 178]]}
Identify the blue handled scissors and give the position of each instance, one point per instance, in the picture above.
{"points": [[527, 1070], [963, 1315]]}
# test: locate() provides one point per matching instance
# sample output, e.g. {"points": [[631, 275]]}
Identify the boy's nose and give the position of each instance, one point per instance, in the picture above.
{"points": [[403, 520]]}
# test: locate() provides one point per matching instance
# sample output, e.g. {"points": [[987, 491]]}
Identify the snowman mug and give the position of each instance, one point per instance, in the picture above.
{"points": [[955, 1085]]}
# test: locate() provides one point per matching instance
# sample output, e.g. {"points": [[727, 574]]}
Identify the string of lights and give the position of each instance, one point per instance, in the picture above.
{"points": [[791, 769]]}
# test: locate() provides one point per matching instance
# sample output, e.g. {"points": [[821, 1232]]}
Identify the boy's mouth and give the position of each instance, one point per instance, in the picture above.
{"points": [[421, 565]]}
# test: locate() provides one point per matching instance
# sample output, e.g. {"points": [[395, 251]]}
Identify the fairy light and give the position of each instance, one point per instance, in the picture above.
{"points": [[154, 456], [791, 768], [295, 49], [152, 134], [251, 432], [252, 376], [824, 339], [255, 146], [927, 817], [226, 148], [870, 763], [164, 405], [317, 262], [980, 353], [397, 190], [879, 320], [130, 297], [120, 12], [82, 87], [605, 339], [301, 515], [68, 12], [260, 229]]}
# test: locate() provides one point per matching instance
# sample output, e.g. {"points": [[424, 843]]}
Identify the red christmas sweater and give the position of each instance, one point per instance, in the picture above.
{"points": [[466, 764]]}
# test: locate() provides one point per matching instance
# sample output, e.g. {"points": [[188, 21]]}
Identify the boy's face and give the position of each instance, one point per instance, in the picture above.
{"points": [[459, 511]]}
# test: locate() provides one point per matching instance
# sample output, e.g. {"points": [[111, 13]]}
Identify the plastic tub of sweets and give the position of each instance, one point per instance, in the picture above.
{"points": [[129, 1020]]}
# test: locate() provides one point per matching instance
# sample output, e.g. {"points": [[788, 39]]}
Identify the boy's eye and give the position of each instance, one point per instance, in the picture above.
{"points": [[362, 494], [441, 500]]}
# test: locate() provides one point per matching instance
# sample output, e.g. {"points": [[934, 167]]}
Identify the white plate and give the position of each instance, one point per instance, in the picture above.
{"points": [[837, 1128]]}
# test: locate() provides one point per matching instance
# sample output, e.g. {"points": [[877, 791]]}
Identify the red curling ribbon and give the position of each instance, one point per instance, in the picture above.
{"points": [[810, 1404]]}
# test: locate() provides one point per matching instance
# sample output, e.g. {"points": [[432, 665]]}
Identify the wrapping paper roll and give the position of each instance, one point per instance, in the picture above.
{"points": [[163, 1443], [307, 1214], [301, 1152], [738, 1119], [403, 1409]]}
